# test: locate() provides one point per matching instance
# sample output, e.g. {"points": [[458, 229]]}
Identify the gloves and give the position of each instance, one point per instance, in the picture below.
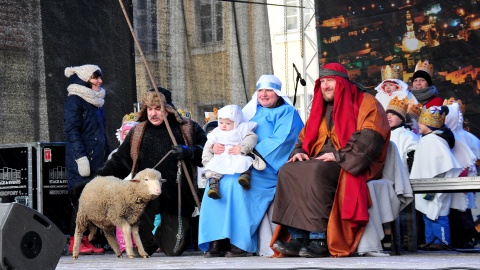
{"points": [[182, 152], [83, 166], [429, 196]]}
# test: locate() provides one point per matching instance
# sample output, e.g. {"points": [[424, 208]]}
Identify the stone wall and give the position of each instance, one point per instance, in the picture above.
{"points": [[38, 39]]}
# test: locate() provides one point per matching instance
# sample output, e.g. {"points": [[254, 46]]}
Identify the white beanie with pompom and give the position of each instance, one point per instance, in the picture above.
{"points": [[83, 72]]}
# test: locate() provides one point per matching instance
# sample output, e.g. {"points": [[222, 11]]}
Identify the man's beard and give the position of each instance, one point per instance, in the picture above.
{"points": [[327, 98]]}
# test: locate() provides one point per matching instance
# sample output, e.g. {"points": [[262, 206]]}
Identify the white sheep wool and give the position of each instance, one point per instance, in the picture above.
{"points": [[83, 72]]}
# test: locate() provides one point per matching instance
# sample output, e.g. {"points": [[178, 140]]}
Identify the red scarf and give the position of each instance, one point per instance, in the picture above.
{"points": [[347, 101]]}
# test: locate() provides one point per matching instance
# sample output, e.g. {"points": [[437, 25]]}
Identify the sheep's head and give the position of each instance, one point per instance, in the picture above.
{"points": [[152, 179]]}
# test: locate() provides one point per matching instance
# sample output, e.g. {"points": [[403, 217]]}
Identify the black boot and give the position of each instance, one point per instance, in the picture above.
{"points": [[244, 180], [291, 248], [316, 249], [214, 250], [213, 192], [236, 252]]}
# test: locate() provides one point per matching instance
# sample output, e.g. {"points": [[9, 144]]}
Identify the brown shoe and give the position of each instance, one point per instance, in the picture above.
{"points": [[213, 191], [213, 250], [235, 252], [244, 180]]}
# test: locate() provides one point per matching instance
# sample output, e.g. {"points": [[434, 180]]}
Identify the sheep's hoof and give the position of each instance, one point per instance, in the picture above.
{"points": [[131, 256], [75, 257]]}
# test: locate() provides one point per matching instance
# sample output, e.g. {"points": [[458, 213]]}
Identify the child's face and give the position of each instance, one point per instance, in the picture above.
{"points": [[423, 129], [393, 120], [225, 124], [390, 87]]}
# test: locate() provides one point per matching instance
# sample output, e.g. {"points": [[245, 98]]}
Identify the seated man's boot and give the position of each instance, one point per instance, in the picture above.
{"points": [[291, 248], [244, 180], [213, 250], [317, 248], [236, 252], [214, 192]]}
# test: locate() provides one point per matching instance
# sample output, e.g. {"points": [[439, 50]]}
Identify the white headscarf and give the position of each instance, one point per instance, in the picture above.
{"points": [[265, 82], [401, 93]]}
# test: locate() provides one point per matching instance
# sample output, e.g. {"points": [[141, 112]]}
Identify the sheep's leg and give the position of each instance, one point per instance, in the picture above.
{"points": [[136, 236], [112, 241], [93, 230], [127, 232], [79, 230]]}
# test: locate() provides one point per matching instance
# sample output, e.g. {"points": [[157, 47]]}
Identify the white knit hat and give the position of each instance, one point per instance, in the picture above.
{"points": [[83, 72]]}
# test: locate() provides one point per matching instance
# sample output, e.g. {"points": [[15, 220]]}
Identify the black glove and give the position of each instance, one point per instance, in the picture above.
{"points": [[182, 152]]}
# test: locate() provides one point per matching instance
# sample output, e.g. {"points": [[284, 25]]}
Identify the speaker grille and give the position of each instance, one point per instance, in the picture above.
{"points": [[31, 245]]}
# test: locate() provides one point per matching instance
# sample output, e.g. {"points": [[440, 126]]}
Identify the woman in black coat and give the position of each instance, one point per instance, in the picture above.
{"points": [[86, 145]]}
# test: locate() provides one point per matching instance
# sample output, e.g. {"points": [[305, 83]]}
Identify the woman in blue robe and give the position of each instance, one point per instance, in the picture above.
{"points": [[238, 213]]}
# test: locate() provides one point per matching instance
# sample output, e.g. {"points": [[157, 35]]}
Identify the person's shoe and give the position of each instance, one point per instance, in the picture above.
{"points": [[291, 248], [235, 252], [213, 191], [213, 250], [91, 246], [258, 163], [83, 249], [316, 249], [244, 180]]}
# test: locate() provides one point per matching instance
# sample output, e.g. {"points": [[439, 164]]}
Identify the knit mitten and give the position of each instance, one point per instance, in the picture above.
{"points": [[83, 166]]}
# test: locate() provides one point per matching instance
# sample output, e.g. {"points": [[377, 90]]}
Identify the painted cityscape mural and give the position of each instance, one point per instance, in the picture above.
{"points": [[370, 34]]}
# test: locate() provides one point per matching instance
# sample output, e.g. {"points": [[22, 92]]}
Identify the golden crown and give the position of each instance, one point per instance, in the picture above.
{"points": [[433, 117], [452, 100], [394, 72], [425, 66], [131, 117], [414, 110], [398, 105]]}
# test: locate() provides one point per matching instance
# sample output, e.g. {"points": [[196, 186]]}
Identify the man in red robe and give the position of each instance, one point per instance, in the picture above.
{"points": [[322, 197]]}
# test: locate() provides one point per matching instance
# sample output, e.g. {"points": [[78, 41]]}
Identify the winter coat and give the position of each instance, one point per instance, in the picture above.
{"points": [[85, 135]]}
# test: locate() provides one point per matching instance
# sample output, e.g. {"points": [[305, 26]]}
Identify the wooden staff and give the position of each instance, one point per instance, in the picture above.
{"points": [[184, 166]]}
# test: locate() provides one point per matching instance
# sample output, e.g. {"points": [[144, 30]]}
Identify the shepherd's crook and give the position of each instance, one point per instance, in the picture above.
{"points": [[184, 166]]}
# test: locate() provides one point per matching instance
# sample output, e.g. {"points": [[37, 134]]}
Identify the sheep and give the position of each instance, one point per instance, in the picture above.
{"points": [[109, 202]]}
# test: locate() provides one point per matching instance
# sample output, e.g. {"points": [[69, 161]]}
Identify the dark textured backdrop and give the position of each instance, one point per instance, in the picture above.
{"points": [[38, 39]]}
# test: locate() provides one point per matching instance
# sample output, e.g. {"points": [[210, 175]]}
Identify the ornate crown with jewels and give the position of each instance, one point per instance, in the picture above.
{"points": [[425, 66], [398, 105], [452, 100], [131, 117], [432, 117], [414, 110], [394, 72]]}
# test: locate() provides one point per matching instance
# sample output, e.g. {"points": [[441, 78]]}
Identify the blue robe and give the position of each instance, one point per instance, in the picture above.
{"points": [[237, 214]]}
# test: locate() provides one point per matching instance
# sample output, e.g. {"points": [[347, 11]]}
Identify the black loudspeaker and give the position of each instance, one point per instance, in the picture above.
{"points": [[28, 239]]}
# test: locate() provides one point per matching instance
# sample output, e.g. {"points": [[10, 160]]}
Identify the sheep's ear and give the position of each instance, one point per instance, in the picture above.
{"points": [[162, 180], [134, 180]]}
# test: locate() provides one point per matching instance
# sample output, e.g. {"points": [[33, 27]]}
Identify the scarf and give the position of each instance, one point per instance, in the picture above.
{"points": [[346, 105], [425, 94], [96, 98]]}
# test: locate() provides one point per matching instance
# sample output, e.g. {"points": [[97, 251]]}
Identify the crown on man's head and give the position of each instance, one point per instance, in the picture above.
{"points": [[398, 105], [425, 66], [394, 72], [131, 117], [452, 100], [433, 117], [414, 110]]}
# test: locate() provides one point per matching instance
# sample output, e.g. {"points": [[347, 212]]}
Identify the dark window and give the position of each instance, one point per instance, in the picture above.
{"points": [[211, 21]]}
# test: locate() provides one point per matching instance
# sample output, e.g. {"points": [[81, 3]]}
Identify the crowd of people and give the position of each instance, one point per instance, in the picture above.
{"points": [[275, 186]]}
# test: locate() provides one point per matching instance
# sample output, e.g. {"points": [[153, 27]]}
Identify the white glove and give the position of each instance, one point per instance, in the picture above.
{"points": [[83, 166]]}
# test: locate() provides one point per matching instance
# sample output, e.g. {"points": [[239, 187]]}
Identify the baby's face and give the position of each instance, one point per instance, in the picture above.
{"points": [[390, 87], [225, 124]]}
